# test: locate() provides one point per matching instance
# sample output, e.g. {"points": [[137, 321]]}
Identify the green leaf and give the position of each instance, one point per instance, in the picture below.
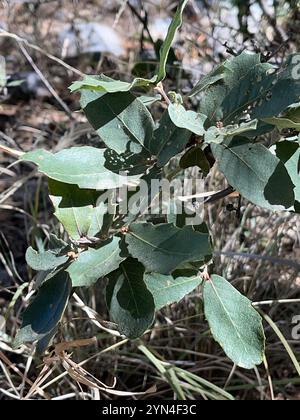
{"points": [[15, 83], [162, 248], [290, 119], [233, 70], [46, 310], [195, 156], [165, 49], [265, 91], [250, 86], [82, 166], [234, 323], [45, 342], [168, 140], [210, 104], [94, 264], [150, 100], [76, 209], [143, 196], [289, 153], [188, 120], [129, 163], [255, 172], [105, 84], [44, 261], [57, 245], [217, 135], [282, 123], [208, 80], [121, 120], [167, 289], [131, 305]]}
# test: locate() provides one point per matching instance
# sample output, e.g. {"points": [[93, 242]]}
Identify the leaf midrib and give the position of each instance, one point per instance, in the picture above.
{"points": [[163, 250], [230, 319], [86, 272]]}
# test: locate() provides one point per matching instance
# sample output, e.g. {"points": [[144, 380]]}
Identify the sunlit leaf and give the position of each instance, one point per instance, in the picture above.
{"points": [[94, 264], [82, 166], [234, 323]]}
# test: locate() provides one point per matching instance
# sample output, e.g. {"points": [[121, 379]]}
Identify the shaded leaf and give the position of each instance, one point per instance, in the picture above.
{"points": [[250, 87], [76, 209], [94, 264], [162, 248], [143, 198], [289, 153], [195, 156], [208, 80], [46, 310], [290, 119], [233, 70], [234, 323], [210, 104], [45, 342], [128, 163], [121, 120], [131, 305], [167, 289], [56, 244], [255, 172], [150, 100], [266, 90], [168, 140]]}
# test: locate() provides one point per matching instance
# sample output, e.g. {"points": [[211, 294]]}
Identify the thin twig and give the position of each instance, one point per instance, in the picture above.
{"points": [[120, 12], [160, 89], [274, 260], [14, 368], [9, 151], [219, 195], [44, 80], [6, 34], [143, 20]]}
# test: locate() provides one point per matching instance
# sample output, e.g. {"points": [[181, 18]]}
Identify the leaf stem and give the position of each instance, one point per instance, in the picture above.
{"points": [[160, 89]]}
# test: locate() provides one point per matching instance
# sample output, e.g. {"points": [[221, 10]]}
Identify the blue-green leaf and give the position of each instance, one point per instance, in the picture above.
{"points": [[162, 248], [165, 49], [82, 166], [46, 310], [121, 120], [189, 120], [234, 323], [94, 264], [167, 289], [110, 86], [255, 172], [77, 209], [131, 305]]}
